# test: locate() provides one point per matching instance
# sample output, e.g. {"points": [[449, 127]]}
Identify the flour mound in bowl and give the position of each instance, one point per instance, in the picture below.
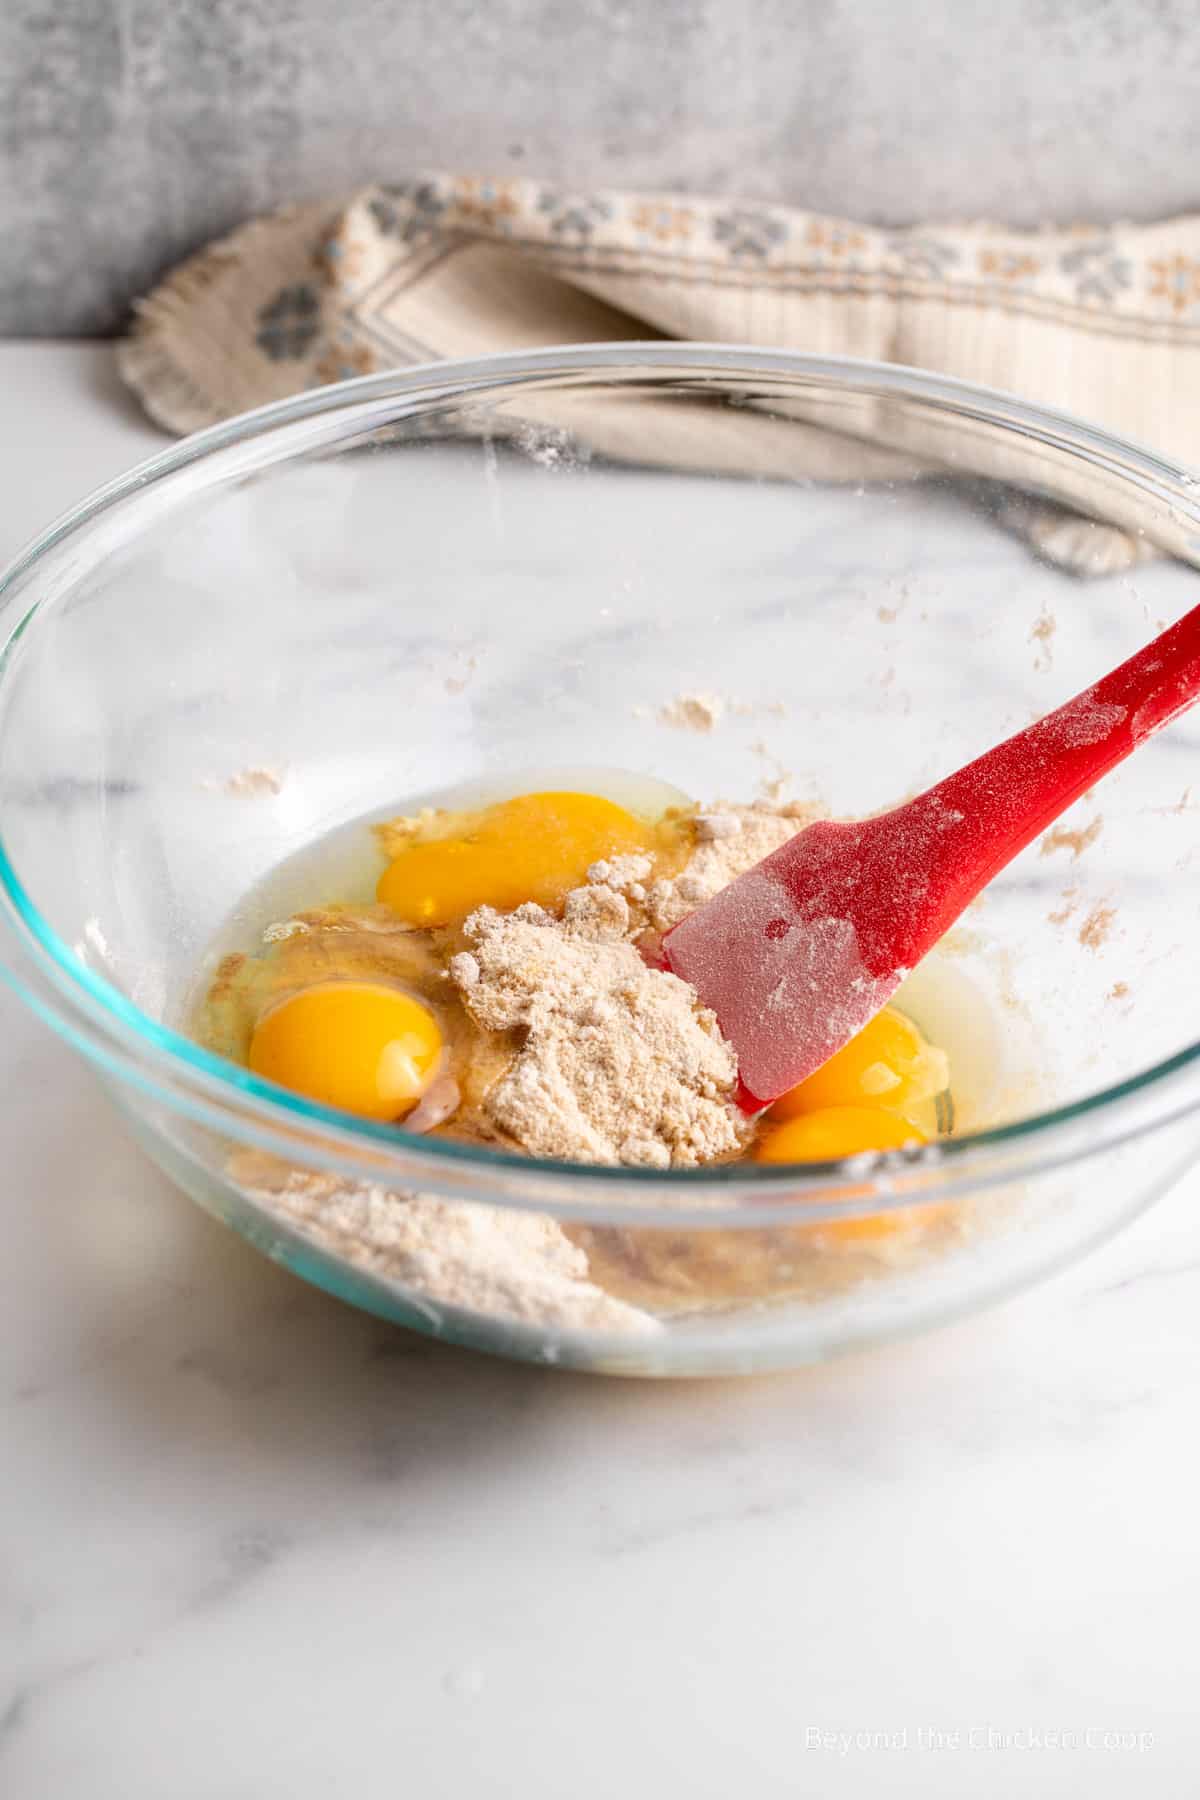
{"points": [[616, 1062], [619, 1063], [498, 1263]]}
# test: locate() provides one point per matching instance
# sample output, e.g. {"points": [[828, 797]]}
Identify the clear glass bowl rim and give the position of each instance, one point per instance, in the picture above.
{"points": [[132, 1048]]}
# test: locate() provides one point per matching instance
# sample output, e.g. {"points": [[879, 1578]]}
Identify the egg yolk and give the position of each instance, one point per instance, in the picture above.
{"points": [[535, 847], [356, 1045], [862, 1099], [887, 1065], [833, 1132]]}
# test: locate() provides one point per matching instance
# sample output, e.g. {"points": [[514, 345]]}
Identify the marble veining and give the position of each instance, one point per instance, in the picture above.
{"points": [[256, 1543]]}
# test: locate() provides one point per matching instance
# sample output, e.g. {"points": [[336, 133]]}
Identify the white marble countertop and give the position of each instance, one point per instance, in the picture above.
{"points": [[256, 1544]]}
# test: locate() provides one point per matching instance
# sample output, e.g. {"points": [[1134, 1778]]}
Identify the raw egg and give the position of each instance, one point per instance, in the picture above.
{"points": [[834, 1132], [534, 847], [862, 1099], [360, 1046], [887, 1065]]}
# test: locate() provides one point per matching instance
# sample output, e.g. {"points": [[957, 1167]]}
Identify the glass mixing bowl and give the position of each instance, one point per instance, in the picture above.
{"points": [[418, 580]]}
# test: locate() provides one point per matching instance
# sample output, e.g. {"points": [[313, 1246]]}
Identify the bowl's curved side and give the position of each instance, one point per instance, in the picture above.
{"points": [[778, 422]]}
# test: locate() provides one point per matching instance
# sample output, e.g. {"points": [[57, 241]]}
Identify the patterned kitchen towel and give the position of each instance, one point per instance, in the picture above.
{"points": [[1100, 322]]}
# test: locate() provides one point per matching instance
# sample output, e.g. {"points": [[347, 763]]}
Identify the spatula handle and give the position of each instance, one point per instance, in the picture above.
{"points": [[977, 819], [799, 952]]}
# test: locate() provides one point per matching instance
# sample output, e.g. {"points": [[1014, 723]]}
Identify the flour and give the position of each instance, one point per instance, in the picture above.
{"points": [[598, 1058], [464, 970], [1060, 838], [1042, 634], [1094, 931], [730, 841], [692, 712], [710, 826], [517, 1266], [248, 781], [619, 1063]]}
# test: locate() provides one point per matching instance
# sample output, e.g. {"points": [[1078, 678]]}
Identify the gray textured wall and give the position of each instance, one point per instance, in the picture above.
{"points": [[131, 130]]}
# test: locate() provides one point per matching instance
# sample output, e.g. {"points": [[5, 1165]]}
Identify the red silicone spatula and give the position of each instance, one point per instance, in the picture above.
{"points": [[797, 954]]}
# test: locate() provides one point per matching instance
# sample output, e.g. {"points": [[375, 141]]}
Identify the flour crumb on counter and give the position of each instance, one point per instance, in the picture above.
{"points": [[1062, 838], [1096, 928], [692, 712], [1042, 634], [247, 782]]}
